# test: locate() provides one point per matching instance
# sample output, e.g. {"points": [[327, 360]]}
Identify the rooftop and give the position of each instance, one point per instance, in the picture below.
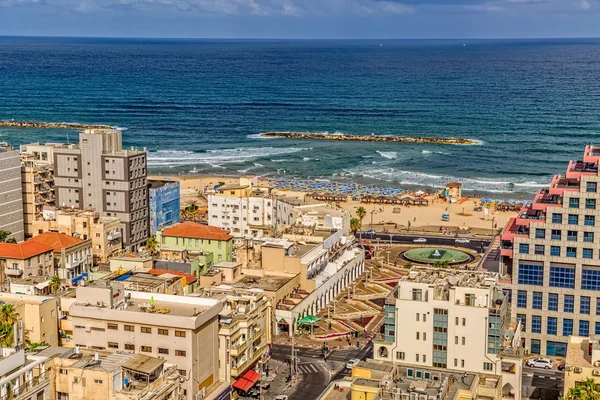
{"points": [[58, 241], [189, 278], [453, 184], [195, 230], [228, 264], [155, 184], [438, 383], [23, 250], [269, 283], [23, 298], [578, 351], [144, 282], [450, 277], [233, 186]]}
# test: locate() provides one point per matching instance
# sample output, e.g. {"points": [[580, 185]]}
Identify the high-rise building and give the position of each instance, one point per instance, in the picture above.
{"points": [[165, 203], [551, 250], [98, 174], [11, 199]]}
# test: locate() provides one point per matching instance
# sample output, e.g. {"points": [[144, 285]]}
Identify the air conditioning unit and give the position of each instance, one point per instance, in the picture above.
{"points": [[596, 372], [568, 368], [577, 370], [597, 363]]}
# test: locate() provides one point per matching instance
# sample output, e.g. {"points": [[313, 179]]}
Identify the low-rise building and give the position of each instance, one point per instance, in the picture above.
{"points": [[144, 282], [105, 232], [39, 316], [582, 362], [24, 376], [164, 204], [181, 330], [292, 211], [24, 260], [33, 285], [72, 256], [197, 238], [131, 262]]}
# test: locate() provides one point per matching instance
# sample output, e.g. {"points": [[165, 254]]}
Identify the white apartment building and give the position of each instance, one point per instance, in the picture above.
{"points": [[242, 210], [291, 211], [458, 320], [11, 197], [181, 330]]}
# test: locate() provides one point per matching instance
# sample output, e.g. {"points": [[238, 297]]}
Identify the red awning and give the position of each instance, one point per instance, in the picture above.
{"points": [[246, 381]]}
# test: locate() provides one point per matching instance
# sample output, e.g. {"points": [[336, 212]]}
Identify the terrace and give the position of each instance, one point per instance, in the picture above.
{"points": [[560, 184]]}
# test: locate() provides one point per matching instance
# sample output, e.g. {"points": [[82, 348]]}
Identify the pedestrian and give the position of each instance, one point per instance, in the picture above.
{"points": [[276, 370]]}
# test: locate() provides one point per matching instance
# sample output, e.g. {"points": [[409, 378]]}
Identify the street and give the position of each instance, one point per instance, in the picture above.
{"points": [[384, 238], [542, 384]]}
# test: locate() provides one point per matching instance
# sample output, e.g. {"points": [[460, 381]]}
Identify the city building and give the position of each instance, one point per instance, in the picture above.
{"points": [[182, 330], [33, 286], [244, 210], [24, 376], [11, 196], [25, 259], [152, 283], [460, 320], [105, 232], [72, 256], [98, 174], [164, 205], [197, 239], [582, 361], [551, 251], [37, 181], [38, 314], [292, 211]]}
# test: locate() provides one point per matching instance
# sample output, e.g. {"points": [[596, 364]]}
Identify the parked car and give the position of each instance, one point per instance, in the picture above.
{"points": [[371, 232], [539, 363], [281, 397], [420, 240], [351, 363], [462, 241]]}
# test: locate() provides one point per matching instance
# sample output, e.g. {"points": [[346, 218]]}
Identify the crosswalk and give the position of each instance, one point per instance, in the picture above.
{"points": [[311, 368]]}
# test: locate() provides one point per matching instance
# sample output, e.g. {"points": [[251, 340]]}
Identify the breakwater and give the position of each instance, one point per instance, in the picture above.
{"points": [[365, 138], [50, 125]]}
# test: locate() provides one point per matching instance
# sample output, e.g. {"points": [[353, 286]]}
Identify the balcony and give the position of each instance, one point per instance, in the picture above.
{"points": [[239, 348], [113, 236], [241, 367], [13, 272]]}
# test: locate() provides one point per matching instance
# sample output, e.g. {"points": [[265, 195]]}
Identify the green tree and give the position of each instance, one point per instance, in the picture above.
{"points": [[189, 212], [354, 225], [55, 284], [361, 213], [152, 245], [408, 265], [4, 237], [8, 317], [587, 390]]}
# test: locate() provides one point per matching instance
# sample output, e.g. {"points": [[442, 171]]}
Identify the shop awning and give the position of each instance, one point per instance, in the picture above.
{"points": [[282, 321], [246, 381], [78, 278]]}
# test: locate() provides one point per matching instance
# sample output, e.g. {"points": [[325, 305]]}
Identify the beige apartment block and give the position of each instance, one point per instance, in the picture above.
{"points": [[25, 376], [104, 232], [11, 197], [181, 330], [445, 318], [38, 190], [72, 256], [551, 251], [98, 174], [39, 316], [583, 361], [24, 260]]}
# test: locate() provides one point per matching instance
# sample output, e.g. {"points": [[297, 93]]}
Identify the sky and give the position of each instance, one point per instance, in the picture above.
{"points": [[302, 19]]}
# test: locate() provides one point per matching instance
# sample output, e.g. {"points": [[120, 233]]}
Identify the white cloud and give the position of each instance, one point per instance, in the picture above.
{"points": [[585, 5]]}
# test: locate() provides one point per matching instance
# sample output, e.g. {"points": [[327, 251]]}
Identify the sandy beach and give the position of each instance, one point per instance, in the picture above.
{"points": [[425, 218]]}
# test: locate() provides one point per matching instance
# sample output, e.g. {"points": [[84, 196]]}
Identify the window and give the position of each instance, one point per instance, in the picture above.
{"points": [[456, 319], [573, 219], [590, 279], [569, 303], [572, 236], [523, 319], [552, 302], [464, 322], [417, 357], [536, 346], [98, 381], [146, 349], [571, 252], [488, 366], [180, 353], [590, 187], [539, 249], [540, 233], [63, 371], [584, 305], [562, 277], [584, 328], [128, 328], [129, 346], [536, 324], [556, 218], [417, 335], [589, 220], [558, 349], [146, 329], [112, 326], [164, 332], [567, 327], [598, 306], [555, 251], [587, 253], [551, 326], [455, 339], [113, 345], [417, 294], [590, 204], [531, 274], [463, 340], [179, 333], [574, 202], [588, 237], [418, 317], [424, 336], [523, 248], [555, 234], [455, 362], [462, 363], [522, 299], [537, 301], [400, 355]]}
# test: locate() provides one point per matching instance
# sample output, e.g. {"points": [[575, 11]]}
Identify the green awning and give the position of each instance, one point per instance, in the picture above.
{"points": [[308, 320]]}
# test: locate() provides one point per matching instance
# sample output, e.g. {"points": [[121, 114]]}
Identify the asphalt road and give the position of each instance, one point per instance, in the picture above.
{"points": [[542, 384], [384, 238], [315, 372]]}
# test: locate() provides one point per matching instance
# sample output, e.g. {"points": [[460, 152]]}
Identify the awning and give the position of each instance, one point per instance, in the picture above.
{"points": [[308, 320], [246, 381], [143, 364], [78, 278], [282, 321], [42, 285]]}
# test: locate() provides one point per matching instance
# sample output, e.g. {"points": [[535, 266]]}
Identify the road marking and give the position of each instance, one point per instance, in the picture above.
{"points": [[530, 375], [553, 378], [313, 367]]}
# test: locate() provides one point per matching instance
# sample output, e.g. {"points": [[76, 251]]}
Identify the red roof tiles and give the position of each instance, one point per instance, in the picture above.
{"points": [[23, 251], [195, 230], [57, 241]]}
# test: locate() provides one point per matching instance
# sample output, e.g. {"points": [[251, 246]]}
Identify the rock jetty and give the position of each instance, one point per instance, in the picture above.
{"points": [[50, 125], [364, 138]]}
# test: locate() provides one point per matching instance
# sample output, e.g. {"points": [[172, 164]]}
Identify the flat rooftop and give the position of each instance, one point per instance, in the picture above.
{"points": [[293, 201], [450, 277], [158, 183], [233, 186], [374, 383], [270, 283], [385, 368], [578, 350], [434, 384]]}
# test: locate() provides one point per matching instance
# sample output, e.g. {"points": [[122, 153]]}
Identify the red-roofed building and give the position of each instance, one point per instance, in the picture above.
{"points": [[24, 260], [197, 238], [72, 255]]}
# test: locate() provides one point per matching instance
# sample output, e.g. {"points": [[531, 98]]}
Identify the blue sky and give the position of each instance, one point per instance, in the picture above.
{"points": [[302, 18]]}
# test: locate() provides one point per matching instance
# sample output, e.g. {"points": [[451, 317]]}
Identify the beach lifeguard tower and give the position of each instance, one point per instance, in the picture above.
{"points": [[453, 192]]}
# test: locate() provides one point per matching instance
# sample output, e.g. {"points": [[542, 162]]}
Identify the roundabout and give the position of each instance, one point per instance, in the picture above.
{"points": [[434, 255]]}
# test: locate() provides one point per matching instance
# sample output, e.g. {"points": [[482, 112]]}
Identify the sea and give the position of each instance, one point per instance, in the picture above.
{"points": [[199, 106]]}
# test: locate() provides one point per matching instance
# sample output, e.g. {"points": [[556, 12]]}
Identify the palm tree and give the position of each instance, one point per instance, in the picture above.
{"points": [[152, 245], [361, 213], [8, 314], [354, 225], [55, 284], [587, 390]]}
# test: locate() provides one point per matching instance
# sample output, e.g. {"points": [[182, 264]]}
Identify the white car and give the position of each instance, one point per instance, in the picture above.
{"points": [[281, 397], [420, 240], [539, 363], [462, 241], [351, 363]]}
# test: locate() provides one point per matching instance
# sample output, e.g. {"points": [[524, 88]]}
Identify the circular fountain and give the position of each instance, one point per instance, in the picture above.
{"points": [[430, 255]]}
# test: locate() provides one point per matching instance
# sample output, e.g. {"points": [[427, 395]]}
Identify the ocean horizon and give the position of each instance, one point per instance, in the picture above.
{"points": [[199, 105]]}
